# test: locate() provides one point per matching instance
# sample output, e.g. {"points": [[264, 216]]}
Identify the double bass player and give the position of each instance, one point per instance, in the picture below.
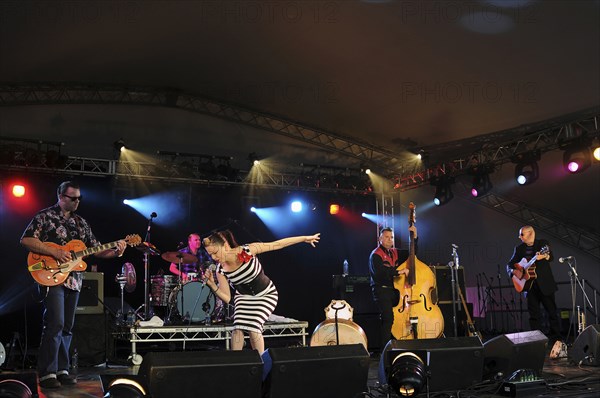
{"points": [[385, 263]]}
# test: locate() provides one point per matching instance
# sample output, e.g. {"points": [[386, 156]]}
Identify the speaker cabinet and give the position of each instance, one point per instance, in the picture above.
{"points": [[443, 280], [454, 362], [203, 373], [586, 348], [90, 339], [326, 371], [91, 290], [510, 352]]}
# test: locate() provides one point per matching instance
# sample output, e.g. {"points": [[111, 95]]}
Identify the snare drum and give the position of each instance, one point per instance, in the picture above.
{"points": [[193, 302], [160, 289], [348, 332]]}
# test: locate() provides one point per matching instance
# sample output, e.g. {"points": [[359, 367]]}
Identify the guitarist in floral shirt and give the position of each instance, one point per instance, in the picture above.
{"points": [[59, 224]]}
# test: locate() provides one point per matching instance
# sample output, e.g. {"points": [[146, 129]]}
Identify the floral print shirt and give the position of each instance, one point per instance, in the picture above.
{"points": [[49, 225]]}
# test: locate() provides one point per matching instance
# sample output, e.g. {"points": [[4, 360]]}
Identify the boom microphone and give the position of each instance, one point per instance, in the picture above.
{"points": [[563, 259]]}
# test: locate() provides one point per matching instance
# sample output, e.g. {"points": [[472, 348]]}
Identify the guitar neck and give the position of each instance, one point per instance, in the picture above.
{"points": [[96, 249]]}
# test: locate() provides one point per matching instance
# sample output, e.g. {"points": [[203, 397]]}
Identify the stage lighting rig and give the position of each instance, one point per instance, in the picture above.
{"points": [[443, 189], [527, 170], [577, 156], [481, 177]]}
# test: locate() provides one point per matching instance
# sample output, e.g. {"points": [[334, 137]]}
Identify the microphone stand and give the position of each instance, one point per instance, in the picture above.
{"points": [[453, 276], [502, 316], [492, 303], [575, 278], [479, 302], [147, 271]]}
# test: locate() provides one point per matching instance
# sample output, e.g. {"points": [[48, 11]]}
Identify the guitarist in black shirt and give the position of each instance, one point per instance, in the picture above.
{"points": [[541, 286]]}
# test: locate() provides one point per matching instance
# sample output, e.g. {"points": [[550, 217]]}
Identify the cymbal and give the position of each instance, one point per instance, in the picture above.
{"points": [[173, 257]]}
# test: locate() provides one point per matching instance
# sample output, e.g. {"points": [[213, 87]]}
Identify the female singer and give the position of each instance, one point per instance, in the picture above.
{"points": [[256, 295]]}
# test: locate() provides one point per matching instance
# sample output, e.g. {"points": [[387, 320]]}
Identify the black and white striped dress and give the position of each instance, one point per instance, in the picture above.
{"points": [[251, 312]]}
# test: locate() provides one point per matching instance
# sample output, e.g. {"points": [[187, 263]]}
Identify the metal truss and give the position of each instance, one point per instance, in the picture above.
{"points": [[498, 148], [78, 93], [172, 173], [551, 223]]}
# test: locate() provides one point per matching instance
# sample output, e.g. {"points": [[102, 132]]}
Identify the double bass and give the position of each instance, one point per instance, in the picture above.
{"points": [[417, 315]]}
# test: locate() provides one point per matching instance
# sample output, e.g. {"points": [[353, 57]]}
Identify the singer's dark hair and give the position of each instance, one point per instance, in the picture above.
{"points": [[220, 237], [62, 188]]}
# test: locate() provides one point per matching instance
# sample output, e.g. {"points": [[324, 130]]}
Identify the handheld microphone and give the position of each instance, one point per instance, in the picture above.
{"points": [[153, 215], [211, 268], [563, 259]]}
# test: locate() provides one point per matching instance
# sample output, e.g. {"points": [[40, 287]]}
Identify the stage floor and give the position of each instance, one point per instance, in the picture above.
{"points": [[563, 380]]}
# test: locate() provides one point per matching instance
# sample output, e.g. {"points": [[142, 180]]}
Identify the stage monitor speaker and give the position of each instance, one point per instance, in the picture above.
{"points": [[10, 384], [325, 371], [203, 373], [91, 290], [454, 362], [510, 352], [586, 348]]}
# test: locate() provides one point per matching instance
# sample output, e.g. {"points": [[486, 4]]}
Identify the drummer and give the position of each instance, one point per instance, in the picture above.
{"points": [[192, 271]]}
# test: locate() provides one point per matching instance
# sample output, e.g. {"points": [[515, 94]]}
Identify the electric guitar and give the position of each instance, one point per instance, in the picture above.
{"points": [[47, 271], [524, 271]]}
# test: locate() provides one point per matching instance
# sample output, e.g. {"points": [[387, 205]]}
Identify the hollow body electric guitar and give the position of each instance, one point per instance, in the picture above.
{"points": [[49, 272], [524, 272]]}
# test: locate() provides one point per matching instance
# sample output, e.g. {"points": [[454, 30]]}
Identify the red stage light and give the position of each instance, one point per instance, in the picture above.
{"points": [[18, 191], [334, 209]]}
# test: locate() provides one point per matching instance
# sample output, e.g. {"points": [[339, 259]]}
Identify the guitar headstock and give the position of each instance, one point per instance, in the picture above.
{"points": [[133, 240], [545, 249]]}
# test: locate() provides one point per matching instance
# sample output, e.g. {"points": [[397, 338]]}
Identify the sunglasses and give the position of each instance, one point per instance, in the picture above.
{"points": [[74, 198]]}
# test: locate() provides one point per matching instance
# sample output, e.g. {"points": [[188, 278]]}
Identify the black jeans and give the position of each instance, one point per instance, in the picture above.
{"points": [[386, 299], [534, 298]]}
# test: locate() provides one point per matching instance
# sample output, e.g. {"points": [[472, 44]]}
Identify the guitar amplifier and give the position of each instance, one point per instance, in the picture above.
{"points": [[443, 279], [356, 290], [92, 293]]}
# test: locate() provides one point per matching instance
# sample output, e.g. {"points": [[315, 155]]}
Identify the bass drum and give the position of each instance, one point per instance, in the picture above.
{"points": [[193, 301], [348, 332]]}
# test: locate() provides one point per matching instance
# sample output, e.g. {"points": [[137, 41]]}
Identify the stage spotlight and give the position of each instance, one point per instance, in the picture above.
{"points": [[597, 153], [481, 178], [296, 206], [527, 170], [334, 209], [577, 157], [18, 190], [407, 373], [367, 171], [119, 145], [126, 201], [123, 387], [11, 388], [253, 209], [363, 214], [443, 189]]}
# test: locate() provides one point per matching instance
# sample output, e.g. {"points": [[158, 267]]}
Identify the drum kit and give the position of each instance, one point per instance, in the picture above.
{"points": [[178, 300]]}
